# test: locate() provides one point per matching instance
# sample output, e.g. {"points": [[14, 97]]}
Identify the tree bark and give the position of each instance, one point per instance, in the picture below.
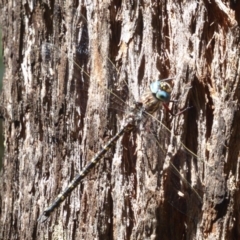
{"points": [[64, 62]]}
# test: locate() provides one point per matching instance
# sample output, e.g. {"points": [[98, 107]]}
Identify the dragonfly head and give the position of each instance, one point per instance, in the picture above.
{"points": [[161, 90]]}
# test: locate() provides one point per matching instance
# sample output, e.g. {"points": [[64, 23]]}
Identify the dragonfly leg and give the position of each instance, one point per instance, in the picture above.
{"points": [[176, 114]]}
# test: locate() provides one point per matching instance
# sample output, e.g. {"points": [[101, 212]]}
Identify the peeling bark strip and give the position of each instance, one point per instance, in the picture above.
{"points": [[56, 118]]}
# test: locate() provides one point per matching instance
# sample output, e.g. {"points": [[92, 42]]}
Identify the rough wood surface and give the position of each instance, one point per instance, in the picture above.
{"points": [[57, 118]]}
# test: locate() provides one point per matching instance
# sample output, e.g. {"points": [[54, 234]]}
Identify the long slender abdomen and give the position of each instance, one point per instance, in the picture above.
{"points": [[62, 196]]}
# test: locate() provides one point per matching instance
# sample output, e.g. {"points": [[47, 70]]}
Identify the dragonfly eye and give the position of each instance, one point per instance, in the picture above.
{"points": [[161, 90], [163, 96]]}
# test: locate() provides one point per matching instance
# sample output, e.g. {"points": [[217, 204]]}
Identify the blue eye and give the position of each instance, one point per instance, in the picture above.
{"points": [[161, 90], [163, 96]]}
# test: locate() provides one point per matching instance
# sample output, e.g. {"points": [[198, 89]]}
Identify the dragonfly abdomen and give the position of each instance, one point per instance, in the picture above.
{"points": [[74, 183]]}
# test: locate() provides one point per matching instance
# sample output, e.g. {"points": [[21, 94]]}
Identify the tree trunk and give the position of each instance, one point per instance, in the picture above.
{"points": [[66, 63]]}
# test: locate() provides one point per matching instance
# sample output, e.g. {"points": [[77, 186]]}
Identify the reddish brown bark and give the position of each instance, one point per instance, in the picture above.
{"points": [[57, 118]]}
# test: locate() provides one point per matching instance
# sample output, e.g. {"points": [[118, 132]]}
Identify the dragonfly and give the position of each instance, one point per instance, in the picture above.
{"points": [[158, 95]]}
